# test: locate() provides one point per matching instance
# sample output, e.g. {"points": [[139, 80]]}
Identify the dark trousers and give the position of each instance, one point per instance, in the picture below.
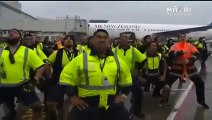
{"points": [[9, 109], [198, 82], [114, 112], [155, 81], [25, 93], [137, 96]]}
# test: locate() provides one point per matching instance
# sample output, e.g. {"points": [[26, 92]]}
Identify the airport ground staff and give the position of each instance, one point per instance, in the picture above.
{"points": [[55, 93], [39, 44], [115, 42], [97, 83], [183, 56], [169, 43], [155, 69], [83, 46], [162, 48], [202, 48], [16, 61], [143, 47], [48, 47], [29, 42], [132, 56]]}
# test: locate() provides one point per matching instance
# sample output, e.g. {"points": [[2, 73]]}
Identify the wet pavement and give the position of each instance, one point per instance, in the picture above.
{"points": [[182, 100]]}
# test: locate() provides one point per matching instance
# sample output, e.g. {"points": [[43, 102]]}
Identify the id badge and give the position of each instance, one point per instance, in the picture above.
{"points": [[105, 81]]}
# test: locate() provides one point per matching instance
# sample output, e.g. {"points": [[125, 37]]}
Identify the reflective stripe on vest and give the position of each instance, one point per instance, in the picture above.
{"points": [[180, 75], [146, 70], [25, 60], [133, 54], [93, 87], [1, 50], [37, 51]]}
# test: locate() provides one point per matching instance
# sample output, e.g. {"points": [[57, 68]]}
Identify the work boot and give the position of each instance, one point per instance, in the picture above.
{"points": [[204, 105]]}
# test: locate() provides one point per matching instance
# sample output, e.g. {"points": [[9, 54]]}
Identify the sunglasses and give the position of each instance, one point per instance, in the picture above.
{"points": [[12, 59]]}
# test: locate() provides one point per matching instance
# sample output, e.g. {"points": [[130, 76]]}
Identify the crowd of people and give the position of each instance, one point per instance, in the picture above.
{"points": [[91, 80]]}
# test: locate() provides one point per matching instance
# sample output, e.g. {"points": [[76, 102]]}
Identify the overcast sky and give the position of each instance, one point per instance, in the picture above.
{"points": [[123, 12]]}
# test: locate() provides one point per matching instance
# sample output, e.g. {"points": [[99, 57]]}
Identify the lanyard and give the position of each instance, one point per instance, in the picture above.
{"points": [[102, 65], [70, 55]]}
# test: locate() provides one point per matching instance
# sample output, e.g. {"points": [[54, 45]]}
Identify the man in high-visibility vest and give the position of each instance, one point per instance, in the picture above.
{"points": [[97, 82], [16, 62], [162, 48], [55, 93], [155, 70], [183, 56], [132, 56], [83, 46], [29, 42], [115, 42], [202, 48], [170, 42], [142, 48], [38, 43]]}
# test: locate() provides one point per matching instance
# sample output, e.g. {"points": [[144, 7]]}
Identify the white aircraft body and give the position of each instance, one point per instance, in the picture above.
{"points": [[161, 30]]}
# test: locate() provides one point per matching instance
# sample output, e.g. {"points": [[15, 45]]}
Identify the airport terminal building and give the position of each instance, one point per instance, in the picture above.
{"points": [[11, 16]]}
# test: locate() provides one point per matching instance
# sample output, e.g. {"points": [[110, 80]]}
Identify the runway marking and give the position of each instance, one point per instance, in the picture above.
{"points": [[178, 89], [179, 103]]}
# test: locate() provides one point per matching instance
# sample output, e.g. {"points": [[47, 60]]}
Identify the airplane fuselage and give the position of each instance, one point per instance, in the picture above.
{"points": [[140, 30]]}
